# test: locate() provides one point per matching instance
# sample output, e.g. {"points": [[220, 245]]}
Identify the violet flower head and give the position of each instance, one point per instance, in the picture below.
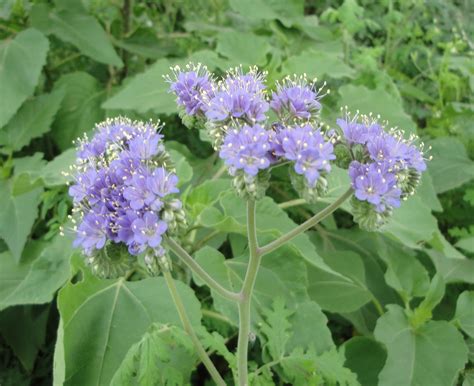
{"points": [[307, 148], [296, 98], [191, 87], [248, 149], [122, 187], [239, 96]]}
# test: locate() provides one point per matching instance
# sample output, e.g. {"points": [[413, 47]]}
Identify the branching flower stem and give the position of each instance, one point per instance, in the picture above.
{"points": [[270, 247], [192, 264], [190, 331]]}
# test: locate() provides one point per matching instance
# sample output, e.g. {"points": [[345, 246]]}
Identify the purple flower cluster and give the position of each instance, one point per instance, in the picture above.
{"points": [[239, 96], [248, 149], [191, 87], [121, 187], [296, 98], [382, 176], [307, 148]]}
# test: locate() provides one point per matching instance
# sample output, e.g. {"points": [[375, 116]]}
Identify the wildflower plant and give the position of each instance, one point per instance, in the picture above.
{"points": [[125, 193]]}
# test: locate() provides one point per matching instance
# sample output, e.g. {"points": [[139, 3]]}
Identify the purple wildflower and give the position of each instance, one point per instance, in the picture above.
{"points": [[296, 98], [239, 96], [191, 88], [248, 149], [148, 230]]}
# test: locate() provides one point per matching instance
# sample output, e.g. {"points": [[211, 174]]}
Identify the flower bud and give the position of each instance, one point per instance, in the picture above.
{"points": [[111, 262]]}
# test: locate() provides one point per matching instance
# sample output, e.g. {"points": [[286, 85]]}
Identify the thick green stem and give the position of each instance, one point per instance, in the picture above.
{"points": [[306, 225], [246, 295], [198, 270], [190, 331]]}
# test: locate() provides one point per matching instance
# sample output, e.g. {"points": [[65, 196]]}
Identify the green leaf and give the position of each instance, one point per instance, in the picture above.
{"points": [[146, 91], [244, 48], [57, 171], [318, 64], [466, 243], [164, 356], [80, 109], [465, 312], [205, 195], [17, 215], [338, 293], [36, 281], [78, 28], [433, 297], [433, 354], [453, 270], [286, 11], [377, 101], [22, 59], [280, 275], [24, 329], [184, 171], [366, 358], [59, 367], [115, 314], [32, 120], [412, 223], [450, 166], [310, 330]]}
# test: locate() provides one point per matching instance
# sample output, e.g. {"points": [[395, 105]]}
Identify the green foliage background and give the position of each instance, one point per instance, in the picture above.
{"points": [[335, 306]]}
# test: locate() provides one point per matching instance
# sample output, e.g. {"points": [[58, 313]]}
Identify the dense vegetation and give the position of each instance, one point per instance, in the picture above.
{"points": [[396, 306]]}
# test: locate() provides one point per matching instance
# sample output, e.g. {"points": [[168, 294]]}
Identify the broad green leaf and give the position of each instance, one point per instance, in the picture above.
{"points": [[309, 329], [405, 274], [412, 223], [146, 91], [184, 171], [205, 195], [32, 120], [433, 297], [377, 101], [57, 171], [465, 312], [453, 270], [37, 281], [24, 329], [450, 166], [280, 275], [22, 59], [433, 354], [286, 11], [78, 28], [164, 356], [17, 215], [427, 193], [114, 314], [365, 357], [80, 109], [318, 64], [346, 292], [243, 48], [467, 244], [59, 367]]}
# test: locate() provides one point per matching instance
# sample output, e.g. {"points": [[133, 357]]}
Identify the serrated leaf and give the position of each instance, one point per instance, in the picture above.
{"points": [[433, 354], [164, 356], [103, 309], [36, 281], [32, 120], [465, 312], [243, 48], [80, 110], [78, 28], [318, 64], [146, 91], [450, 166], [17, 215], [22, 59]]}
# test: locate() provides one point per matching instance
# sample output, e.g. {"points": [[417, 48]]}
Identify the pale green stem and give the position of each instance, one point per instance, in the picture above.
{"points": [[306, 225], [289, 204], [246, 294], [190, 331], [198, 270]]}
